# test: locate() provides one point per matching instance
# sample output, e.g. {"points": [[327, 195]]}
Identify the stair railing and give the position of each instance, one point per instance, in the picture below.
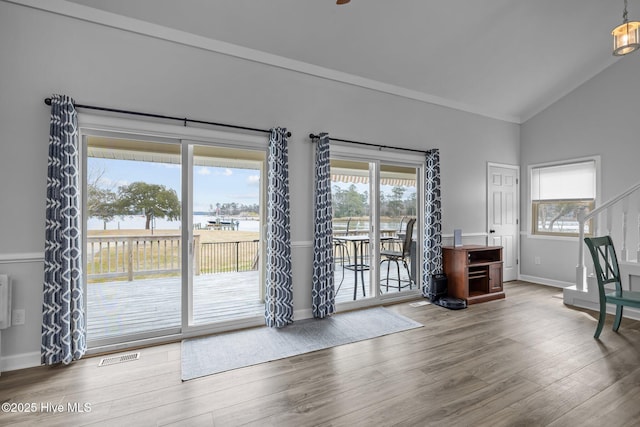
{"points": [[581, 271]]}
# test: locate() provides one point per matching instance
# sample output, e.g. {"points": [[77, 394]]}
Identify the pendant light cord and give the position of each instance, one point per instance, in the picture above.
{"points": [[624, 14]]}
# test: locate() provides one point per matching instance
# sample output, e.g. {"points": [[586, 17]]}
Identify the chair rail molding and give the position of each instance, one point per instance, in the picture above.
{"points": [[21, 257]]}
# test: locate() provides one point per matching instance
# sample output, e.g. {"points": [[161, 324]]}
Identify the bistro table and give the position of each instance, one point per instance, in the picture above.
{"points": [[358, 242]]}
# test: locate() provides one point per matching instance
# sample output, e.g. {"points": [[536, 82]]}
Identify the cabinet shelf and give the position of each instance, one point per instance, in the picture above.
{"points": [[474, 273]]}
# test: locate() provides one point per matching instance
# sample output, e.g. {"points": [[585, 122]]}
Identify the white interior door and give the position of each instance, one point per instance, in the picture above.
{"points": [[502, 215]]}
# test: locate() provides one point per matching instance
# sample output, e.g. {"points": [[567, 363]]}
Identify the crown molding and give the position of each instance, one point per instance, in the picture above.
{"points": [[108, 19]]}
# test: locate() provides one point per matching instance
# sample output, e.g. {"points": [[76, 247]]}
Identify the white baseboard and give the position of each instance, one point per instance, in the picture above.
{"points": [[545, 281], [20, 361], [302, 244], [302, 314]]}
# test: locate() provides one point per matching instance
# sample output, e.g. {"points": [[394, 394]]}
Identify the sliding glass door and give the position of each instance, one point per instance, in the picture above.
{"points": [[376, 214], [398, 214], [174, 235], [352, 219], [226, 206], [133, 240]]}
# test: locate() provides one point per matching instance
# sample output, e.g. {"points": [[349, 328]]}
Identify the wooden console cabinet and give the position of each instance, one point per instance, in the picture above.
{"points": [[474, 272]]}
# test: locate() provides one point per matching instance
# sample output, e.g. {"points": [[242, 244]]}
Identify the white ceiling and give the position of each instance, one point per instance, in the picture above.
{"points": [[507, 59]]}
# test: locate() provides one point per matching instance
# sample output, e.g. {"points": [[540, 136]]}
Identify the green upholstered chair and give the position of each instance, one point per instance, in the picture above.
{"points": [[607, 271]]}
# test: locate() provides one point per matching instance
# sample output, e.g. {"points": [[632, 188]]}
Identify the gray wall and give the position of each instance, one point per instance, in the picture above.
{"points": [[45, 53], [598, 118]]}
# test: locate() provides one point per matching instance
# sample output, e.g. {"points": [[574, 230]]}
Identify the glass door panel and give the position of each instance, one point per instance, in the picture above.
{"points": [[133, 239], [351, 201], [398, 214], [226, 205]]}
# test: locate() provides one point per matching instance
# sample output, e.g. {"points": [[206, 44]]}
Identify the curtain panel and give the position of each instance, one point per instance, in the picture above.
{"points": [[279, 292], [432, 259], [63, 321], [323, 292]]}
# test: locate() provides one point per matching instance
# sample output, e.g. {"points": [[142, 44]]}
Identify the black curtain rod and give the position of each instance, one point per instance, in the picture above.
{"points": [[368, 144], [160, 116]]}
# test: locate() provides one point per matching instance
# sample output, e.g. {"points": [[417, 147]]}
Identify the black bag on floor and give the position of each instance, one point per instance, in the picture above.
{"points": [[437, 287]]}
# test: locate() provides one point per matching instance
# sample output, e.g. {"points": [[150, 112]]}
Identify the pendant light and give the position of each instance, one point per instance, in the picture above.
{"points": [[626, 37]]}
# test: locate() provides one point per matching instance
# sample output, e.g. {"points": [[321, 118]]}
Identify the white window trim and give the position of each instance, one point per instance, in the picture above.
{"points": [[527, 232], [88, 123], [351, 151]]}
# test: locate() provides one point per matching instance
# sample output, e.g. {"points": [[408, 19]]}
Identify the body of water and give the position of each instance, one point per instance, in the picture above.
{"points": [[137, 223]]}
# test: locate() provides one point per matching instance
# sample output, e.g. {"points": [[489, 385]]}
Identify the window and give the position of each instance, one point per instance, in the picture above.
{"points": [[558, 193]]}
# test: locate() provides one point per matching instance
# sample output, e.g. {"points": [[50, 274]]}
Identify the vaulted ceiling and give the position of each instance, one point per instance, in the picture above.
{"points": [[507, 59]]}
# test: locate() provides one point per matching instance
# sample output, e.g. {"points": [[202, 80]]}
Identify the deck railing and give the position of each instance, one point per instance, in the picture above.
{"points": [[223, 257], [110, 257]]}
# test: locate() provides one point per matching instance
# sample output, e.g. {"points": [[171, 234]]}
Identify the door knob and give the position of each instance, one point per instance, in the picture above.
{"points": [[492, 231]]}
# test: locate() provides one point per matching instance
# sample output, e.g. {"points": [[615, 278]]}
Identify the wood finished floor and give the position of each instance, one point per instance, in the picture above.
{"points": [[116, 309], [527, 360]]}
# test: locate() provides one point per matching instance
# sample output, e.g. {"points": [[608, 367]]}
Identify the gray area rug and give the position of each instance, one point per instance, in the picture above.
{"points": [[219, 353]]}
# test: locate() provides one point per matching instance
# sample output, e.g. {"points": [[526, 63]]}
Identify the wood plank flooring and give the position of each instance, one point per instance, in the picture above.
{"points": [[527, 360]]}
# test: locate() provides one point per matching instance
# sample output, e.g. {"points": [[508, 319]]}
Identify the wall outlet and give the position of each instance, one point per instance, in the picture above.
{"points": [[536, 260], [18, 317]]}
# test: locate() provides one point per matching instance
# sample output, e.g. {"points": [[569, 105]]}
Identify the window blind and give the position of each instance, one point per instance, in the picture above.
{"points": [[562, 182]]}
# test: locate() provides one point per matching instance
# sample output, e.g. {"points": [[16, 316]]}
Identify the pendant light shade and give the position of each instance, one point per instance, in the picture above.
{"points": [[626, 37]]}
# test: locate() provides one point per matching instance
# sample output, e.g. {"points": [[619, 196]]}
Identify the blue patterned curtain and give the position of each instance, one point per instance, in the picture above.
{"points": [[279, 295], [63, 319], [432, 259], [322, 293]]}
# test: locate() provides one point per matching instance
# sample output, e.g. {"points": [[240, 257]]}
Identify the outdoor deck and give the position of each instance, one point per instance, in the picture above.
{"points": [[123, 308]]}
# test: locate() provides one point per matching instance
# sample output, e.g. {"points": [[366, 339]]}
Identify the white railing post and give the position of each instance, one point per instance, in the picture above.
{"points": [[624, 251], [581, 271], [625, 208], [624, 254], [638, 250]]}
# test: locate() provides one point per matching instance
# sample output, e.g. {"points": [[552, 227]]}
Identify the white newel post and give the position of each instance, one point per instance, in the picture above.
{"points": [[638, 250], [625, 208], [581, 271]]}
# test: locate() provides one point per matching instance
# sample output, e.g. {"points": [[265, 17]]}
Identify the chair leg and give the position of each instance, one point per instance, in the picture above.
{"points": [[342, 264], [406, 267], [388, 266], [398, 270], [603, 315], [618, 320]]}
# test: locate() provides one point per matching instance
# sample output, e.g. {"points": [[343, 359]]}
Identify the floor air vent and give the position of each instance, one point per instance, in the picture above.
{"points": [[106, 361]]}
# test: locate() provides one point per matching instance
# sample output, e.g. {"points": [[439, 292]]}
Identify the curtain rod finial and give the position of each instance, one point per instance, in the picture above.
{"points": [[47, 101]]}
